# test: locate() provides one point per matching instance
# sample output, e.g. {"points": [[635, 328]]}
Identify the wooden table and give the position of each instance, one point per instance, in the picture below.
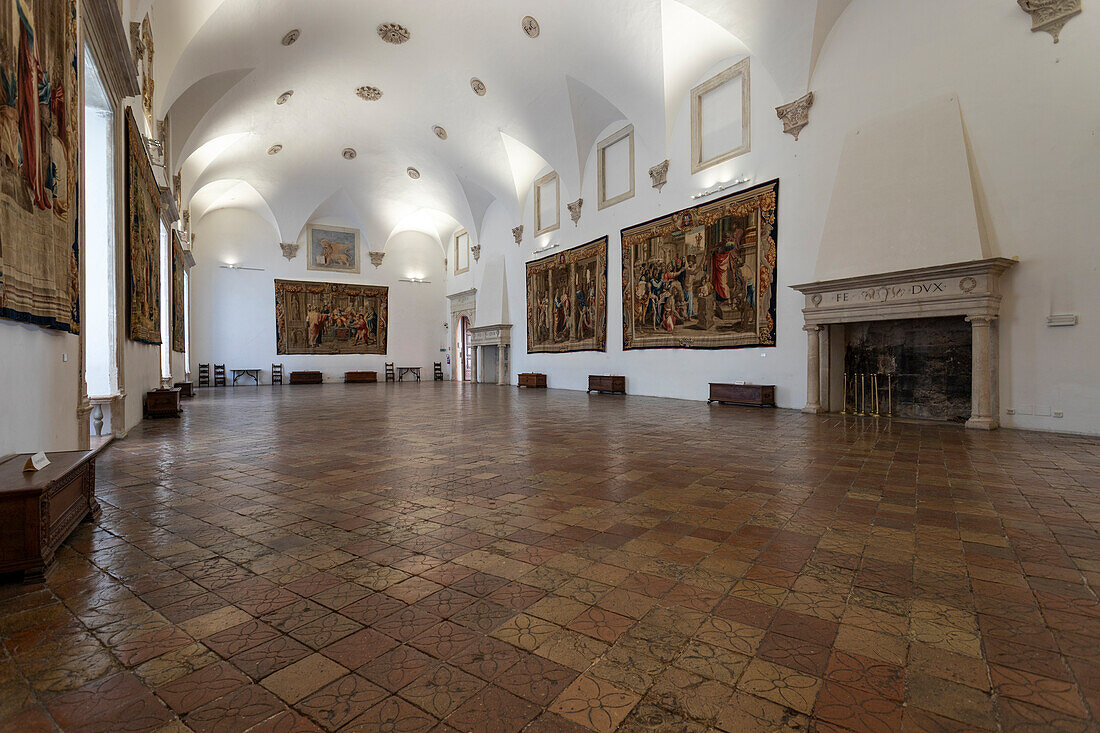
{"points": [[532, 380], [39, 510], [753, 395], [606, 384], [253, 373], [402, 371], [163, 403]]}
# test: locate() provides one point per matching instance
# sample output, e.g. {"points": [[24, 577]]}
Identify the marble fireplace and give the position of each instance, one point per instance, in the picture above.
{"points": [[942, 296]]}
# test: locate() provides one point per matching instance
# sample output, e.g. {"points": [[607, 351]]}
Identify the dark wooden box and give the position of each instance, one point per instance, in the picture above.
{"points": [[755, 395], [306, 378], [39, 510], [601, 383], [360, 377], [532, 379], [187, 389], [163, 403]]}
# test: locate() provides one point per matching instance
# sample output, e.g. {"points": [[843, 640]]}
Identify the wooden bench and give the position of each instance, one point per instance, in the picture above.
{"points": [[606, 384], [306, 378], [532, 380], [754, 395], [360, 377]]}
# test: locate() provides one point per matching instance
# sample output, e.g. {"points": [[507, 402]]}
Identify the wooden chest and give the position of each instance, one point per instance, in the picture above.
{"points": [[532, 379], [39, 510], [360, 377], [606, 384], [187, 389], [306, 378], [756, 395], [163, 403]]}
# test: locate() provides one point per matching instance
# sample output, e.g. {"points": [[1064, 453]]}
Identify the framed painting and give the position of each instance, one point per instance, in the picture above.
{"points": [[142, 239], [39, 163], [179, 318], [567, 300], [703, 278], [330, 318], [333, 249]]}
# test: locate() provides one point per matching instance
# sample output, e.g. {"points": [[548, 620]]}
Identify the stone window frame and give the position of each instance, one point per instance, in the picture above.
{"points": [[738, 70], [627, 133]]}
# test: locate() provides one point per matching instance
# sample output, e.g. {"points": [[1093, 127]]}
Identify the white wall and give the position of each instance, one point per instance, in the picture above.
{"points": [[233, 311], [39, 391], [1031, 121]]}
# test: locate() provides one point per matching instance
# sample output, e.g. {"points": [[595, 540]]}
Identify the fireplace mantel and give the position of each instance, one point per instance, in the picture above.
{"points": [[970, 289]]}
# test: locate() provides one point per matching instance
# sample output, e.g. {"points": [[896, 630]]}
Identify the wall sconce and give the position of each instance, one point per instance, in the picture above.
{"points": [[241, 267], [416, 280], [721, 187]]}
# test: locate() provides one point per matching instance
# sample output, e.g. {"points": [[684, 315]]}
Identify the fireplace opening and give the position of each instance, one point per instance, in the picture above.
{"points": [[917, 368]]}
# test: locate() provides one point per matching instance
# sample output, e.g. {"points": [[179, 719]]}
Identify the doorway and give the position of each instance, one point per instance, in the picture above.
{"points": [[465, 350]]}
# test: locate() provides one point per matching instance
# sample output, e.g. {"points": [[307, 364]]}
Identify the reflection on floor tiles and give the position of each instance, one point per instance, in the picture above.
{"points": [[435, 557]]}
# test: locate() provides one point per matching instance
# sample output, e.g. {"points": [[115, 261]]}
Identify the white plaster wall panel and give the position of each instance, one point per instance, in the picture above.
{"points": [[38, 398]]}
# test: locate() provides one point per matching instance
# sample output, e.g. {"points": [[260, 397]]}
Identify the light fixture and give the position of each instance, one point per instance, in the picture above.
{"points": [[241, 267], [721, 187], [416, 280]]}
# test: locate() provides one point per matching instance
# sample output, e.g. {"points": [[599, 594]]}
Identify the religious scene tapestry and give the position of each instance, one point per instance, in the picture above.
{"points": [[178, 303], [143, 239], [39, 152], [703, 278], [330, 318], [333, 249], [567, 300]]}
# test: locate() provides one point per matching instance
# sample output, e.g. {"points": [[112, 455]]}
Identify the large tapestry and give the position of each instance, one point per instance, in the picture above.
{"points": [[567, 300], [39, 151], [330, 318], [703, 278], [178, 302], [143, 239]]}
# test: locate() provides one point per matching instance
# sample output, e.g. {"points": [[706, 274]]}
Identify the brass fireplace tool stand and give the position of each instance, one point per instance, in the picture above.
{"points": [[866, 394]]}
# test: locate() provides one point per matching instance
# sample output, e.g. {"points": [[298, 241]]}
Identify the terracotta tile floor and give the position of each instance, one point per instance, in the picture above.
{"points": [[432, 557]]}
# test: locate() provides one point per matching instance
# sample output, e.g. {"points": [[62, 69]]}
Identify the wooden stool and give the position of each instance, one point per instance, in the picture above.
{"points": [[391, 374], [219, 375], [276, 373], [204, 375], [439, 371]]}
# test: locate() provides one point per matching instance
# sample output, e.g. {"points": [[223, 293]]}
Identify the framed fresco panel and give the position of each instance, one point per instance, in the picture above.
{"points": [[703, 278], [142, 238], [330, 318], [178, 304], [39, 163], [333, 249], [567, 300]]}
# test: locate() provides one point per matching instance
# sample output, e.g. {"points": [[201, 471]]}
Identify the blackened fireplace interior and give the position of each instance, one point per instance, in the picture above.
{"points": [[924, 366]]}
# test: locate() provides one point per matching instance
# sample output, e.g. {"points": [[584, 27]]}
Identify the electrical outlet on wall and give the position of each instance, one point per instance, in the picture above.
{"points": [[65, 358]]}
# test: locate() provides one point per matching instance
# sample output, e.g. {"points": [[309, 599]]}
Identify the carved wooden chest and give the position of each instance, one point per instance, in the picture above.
{"points": [[39, 510], [756, 395]]}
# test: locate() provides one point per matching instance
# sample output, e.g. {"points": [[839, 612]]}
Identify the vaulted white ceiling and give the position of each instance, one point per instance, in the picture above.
{"points": [[220, 66]]}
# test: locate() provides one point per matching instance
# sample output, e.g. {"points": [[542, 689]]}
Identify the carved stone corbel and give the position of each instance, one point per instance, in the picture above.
{"points": [[659, 175], [376, 258], [575, 210], [796, 115], [1050, 16], [290, 250], [476, 252], [517, 232]]}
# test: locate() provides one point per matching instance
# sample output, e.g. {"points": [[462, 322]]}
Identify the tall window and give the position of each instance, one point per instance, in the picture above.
{"points": [[100, 297], [165, 303]]}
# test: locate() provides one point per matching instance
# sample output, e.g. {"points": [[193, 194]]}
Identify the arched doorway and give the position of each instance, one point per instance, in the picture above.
{"points": [[465, 350]]}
